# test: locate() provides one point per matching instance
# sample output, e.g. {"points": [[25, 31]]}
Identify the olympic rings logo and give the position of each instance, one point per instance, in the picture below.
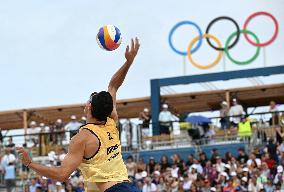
{"points": [[231, 41]]}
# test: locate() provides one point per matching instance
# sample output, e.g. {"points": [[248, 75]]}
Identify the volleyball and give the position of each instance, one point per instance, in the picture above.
{"points": [[109, 37]]}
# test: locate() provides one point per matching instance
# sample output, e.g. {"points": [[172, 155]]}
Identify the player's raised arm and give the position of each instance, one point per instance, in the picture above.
{"points": [[118, 78]]}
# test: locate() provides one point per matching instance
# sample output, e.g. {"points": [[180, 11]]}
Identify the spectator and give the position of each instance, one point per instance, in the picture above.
{"points": [[254, 186], [236, 111], [244, 129], [33, 186], [180, 163], [165, 120], [229, 187], [174, 171], [26, 170], [253, 159], [242, 157], [69, 188], [80, 187], [61, 156], [186, 183], [73, 126], [59, 132], [59, 187], [279, 135], [33, 132], [151, 166], [164, 162], [224, 114], [8, 163], [125, 135], [215, 154], [149, 186], [202, 159], [11, 145], [83, 120], [146, 118], [275, 116], [131, 166], [272, 150], [190, 159]]}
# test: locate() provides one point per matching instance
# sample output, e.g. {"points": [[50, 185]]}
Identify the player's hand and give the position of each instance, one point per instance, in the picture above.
{"points": [[23, 155], [130, 53]]}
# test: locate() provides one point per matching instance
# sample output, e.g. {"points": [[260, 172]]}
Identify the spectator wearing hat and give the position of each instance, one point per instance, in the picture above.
{"points": [[72, 126], [236, 111], [279, 177], [165, 119], [224, 115], [145, 117], [33, 132], [83, 120], [244, 184], [59, 132], [222, 179]]}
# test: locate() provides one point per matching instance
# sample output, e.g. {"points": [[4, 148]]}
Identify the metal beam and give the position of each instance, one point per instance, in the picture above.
{"points": [[222, 76]]}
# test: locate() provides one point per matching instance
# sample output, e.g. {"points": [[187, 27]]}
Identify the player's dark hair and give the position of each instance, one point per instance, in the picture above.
{"points": [[102, 105]]}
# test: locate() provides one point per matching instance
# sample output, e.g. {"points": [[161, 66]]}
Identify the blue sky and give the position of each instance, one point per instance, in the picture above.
{"points": [[49, 55]]}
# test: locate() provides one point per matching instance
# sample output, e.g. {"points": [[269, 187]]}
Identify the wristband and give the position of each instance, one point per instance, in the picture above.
{"points": [[29, 164]]}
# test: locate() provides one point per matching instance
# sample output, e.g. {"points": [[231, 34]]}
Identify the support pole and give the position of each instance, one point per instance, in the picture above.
{"points": [[25, 123], [155, 106], [228, 98]]}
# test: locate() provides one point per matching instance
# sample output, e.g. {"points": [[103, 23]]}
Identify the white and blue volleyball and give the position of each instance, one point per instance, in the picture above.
{"points": [[109, 37]]}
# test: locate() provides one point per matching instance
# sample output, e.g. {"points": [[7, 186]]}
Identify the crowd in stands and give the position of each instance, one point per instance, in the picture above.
{"points": [[56, 132], [260, 170]]}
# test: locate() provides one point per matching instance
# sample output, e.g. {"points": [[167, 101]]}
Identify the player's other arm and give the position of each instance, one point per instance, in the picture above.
{"points": [[118, 78], [70, 163]]}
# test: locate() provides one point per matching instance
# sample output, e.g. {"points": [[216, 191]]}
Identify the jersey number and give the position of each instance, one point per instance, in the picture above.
{"points": [[109, 136]]}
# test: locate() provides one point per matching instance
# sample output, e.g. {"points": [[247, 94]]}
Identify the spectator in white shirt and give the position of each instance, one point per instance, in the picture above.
{"points": [[73, 126], [253, 158], [8, 163], [149, 186], [165, 119], [174, 171], [34, 133], [236, 111]]}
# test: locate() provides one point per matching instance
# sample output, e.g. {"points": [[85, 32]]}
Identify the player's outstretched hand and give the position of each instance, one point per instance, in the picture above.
{"points": [[24, 156], [130, 53]]}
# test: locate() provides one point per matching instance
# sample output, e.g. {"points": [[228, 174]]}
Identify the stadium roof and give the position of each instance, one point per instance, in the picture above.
{"points": [[130, 108]]}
